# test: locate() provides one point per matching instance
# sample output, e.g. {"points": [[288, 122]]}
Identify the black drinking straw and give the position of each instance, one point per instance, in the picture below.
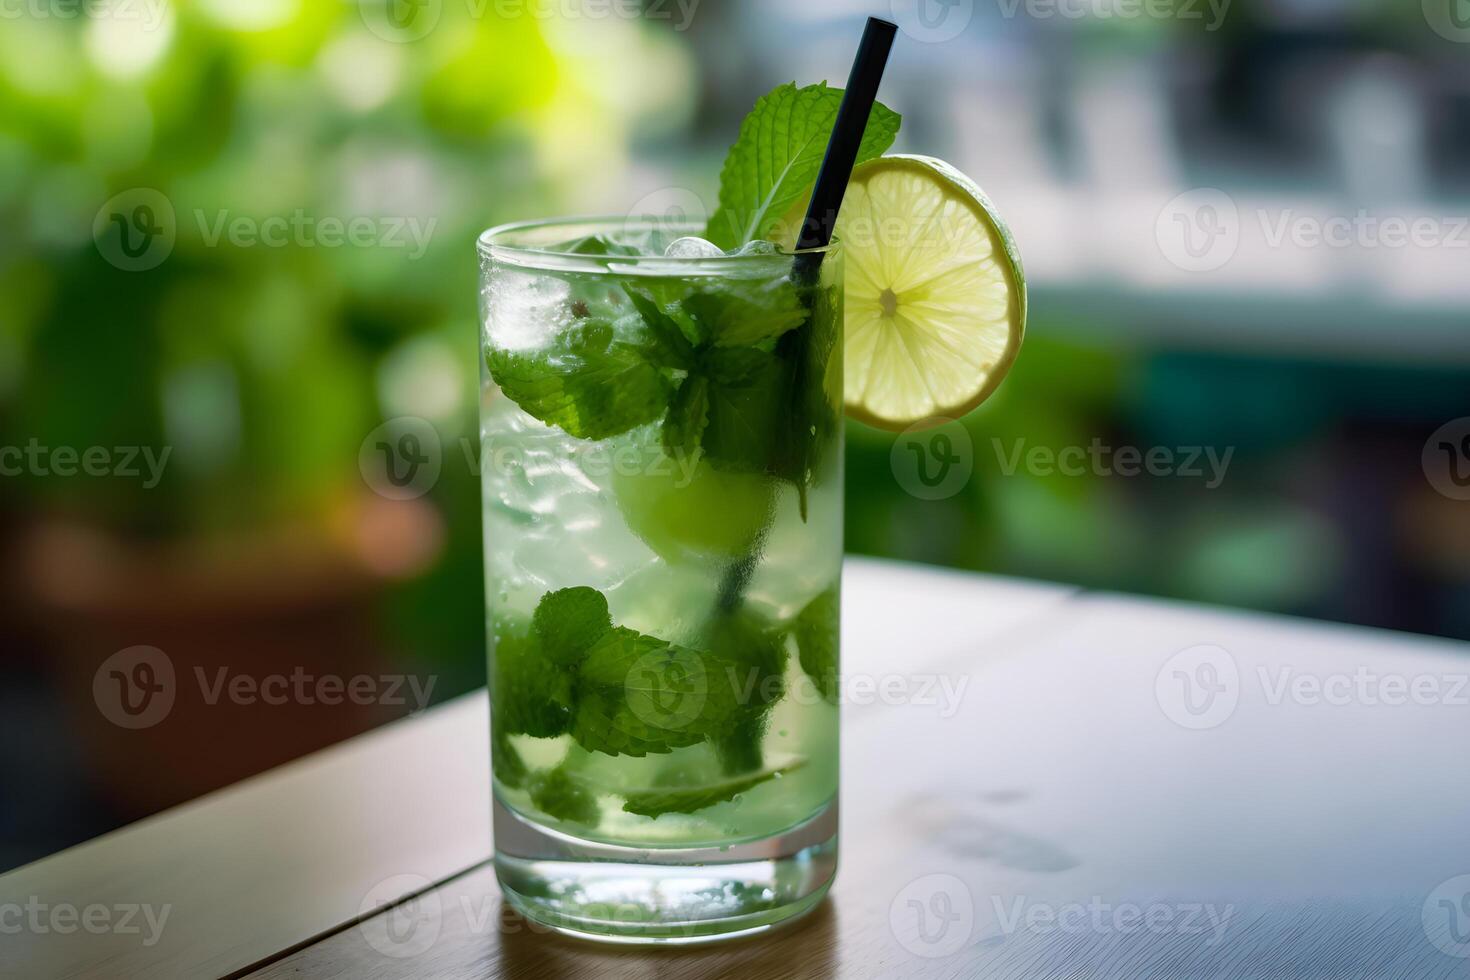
{"points": [[842, 148], [816, 230]]}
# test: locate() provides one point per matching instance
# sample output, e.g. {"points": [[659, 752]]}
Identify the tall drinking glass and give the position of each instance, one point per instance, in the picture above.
{"points": [[662, 472]]}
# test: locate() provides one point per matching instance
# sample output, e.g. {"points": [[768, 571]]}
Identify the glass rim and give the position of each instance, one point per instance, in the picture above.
{"points": [[492, 244]]}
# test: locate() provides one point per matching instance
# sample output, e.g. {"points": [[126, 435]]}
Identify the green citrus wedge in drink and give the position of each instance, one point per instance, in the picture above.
{"points": [[935, 299]]}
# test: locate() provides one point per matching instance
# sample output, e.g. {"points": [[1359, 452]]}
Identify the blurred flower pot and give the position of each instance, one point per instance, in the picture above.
{"points": [[190, 664]]}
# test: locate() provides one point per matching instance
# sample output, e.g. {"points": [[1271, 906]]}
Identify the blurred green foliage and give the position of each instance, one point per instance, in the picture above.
{"points": [[264, 363]]}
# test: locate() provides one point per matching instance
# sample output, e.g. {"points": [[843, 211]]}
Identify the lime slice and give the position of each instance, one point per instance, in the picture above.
{"points": [[935, 299]]}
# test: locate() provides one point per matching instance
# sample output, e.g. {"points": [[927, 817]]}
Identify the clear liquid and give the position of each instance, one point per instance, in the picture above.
{"points": [[659, 537]]}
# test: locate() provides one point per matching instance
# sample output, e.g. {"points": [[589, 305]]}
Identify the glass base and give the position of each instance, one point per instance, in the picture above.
{"points": [[671, 896]]}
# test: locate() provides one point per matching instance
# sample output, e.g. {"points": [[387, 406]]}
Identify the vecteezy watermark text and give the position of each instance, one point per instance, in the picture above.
{"points": [[1200, 230], [407, 21], [151, 13], [302, 230], [1362, 686], [1099, 459], [137, 687], [679, 13], [1211, 12], [935, 916], [1100, 917], [300, 687], [1201, 686], [123, 462], [41, 918]]}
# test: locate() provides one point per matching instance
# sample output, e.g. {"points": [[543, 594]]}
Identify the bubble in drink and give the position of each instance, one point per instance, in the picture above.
{"points": [[692, 247]]}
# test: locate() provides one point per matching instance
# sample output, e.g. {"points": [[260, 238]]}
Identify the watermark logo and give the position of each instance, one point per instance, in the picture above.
{"points": [[1201, 687], [668, 212], [402, 458], [137, 688], [933, 916], [409, 926], [1445, 916], [932, 21], [1199, 230], [1198, 687], [1446, 459], [400, 21], [135, 230], [1450, 19], [666, 689], [932, 461], [134, 688]]}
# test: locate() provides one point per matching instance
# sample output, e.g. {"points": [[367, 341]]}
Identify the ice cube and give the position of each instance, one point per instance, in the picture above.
{"points": [[692, 247], [757, 247]]}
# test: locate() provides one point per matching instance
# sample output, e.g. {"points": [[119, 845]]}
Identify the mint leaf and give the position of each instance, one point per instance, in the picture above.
{"points": [[667, 344], [688, 413], [589, 385], [558, 794], [726, 323], [654, 802], [637, 695], [569, 622], [746, 314], [776, 157], [817, 630], [809, 416], [530, 695], [745, 412]]}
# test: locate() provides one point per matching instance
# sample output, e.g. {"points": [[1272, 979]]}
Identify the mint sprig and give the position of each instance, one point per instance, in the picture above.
{"points": [[638, 695], [745, 314], [732, 367], [615, 690], [621, 692], [729, 401], [776, 158], [586, 383]]}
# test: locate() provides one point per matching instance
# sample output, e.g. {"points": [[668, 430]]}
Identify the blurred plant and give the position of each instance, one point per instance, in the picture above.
{"points": [[259, 363], [261, 351]]}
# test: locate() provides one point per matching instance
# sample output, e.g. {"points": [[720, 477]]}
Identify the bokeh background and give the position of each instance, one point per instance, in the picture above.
{"points": [[171, 281]]}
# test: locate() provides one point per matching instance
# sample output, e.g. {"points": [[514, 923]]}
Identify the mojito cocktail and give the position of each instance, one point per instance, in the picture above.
{"points": [[662, 474], [661, 448]]}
